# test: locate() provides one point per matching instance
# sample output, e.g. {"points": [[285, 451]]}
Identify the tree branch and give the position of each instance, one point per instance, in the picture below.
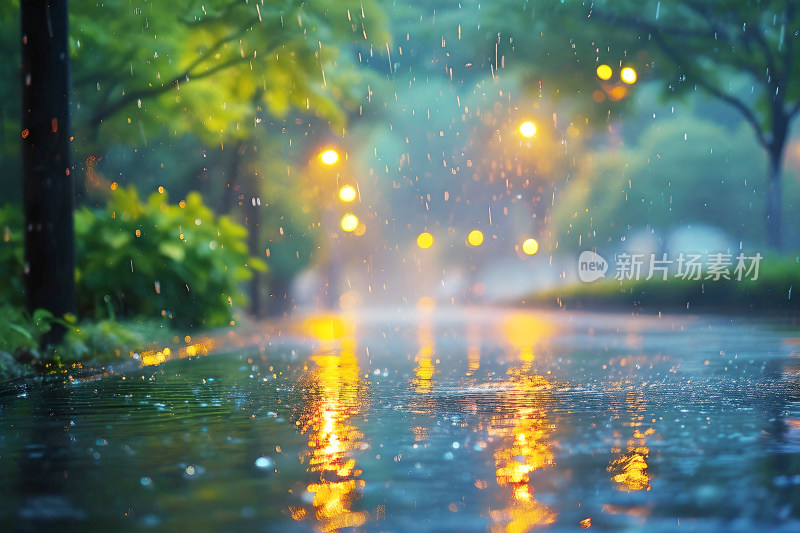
{"points": [[764, 45], [748, 113], [93, 78], [788, 60], [657, 33], [130, 97]]}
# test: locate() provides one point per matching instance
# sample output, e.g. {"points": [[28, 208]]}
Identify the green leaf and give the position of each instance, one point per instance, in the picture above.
{"points": [[19, 329], [173, 250]]}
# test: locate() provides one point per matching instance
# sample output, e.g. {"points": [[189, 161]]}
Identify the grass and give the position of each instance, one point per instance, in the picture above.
{"points": [[87, 343], [776, 290]]}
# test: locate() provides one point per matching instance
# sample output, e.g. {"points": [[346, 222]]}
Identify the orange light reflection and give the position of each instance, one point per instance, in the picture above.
{"points": [[336, 393], [157, 356], [629, 470], [525, 432]]}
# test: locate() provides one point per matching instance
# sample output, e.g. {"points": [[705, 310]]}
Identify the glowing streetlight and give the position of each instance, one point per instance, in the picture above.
{"points": [[347, 193], [527, 129], [425, 240], [530, 246], [475, 237], [628, 75], [604, 72], [349, 222], [329, 157]]}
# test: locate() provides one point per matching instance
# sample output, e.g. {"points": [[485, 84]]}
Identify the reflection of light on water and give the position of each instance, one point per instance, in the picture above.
{"points": [[336, 396], [422, 383], [158, 356], [525, 432], [328, 327], [421, 433], [530, 449], [473, 349], [632, 468], [524, 330], [629, 470]]}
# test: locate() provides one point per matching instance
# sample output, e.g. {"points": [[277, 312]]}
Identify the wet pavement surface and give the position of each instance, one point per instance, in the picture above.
{"points": [[459, 420]]}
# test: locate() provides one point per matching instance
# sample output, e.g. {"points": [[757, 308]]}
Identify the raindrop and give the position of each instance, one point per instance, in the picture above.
{"points": [[265, 463]]}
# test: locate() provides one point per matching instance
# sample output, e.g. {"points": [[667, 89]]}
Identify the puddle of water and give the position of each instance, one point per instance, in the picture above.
{"points": [[473, 421]]}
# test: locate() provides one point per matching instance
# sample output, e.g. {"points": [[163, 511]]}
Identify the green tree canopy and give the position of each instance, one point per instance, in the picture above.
{"points": [[679, 173], [206, 66]]}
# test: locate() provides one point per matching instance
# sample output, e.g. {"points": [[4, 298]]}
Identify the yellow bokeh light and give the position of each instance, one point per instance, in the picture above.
{"points": [[349, 222], [527, 129], [475, 237], [426, 304], [329, 157], [628, 75], [347, 193], [425, 240], [327, 327], [604, 72], [530, 246]]}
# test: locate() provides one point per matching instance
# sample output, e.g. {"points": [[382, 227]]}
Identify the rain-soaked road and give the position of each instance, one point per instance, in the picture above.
{"points": [[470, 420]]}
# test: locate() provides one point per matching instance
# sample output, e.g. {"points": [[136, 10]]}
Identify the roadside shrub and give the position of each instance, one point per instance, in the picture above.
{"points": [[151, 259], [146, 260], [95, 341], [20, 331]]}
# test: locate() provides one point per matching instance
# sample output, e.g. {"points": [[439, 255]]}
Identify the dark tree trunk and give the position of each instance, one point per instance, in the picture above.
{"points": [[48, 192], [252, 222], [774, 214], [243, 192], [775, 149]]}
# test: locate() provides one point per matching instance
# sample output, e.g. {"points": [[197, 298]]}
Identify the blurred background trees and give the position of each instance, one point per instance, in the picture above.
{"points": [[423, 101]]}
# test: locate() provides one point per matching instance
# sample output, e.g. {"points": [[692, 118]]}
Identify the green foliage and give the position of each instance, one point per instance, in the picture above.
{"points": [[151, 260], [11, 256], [19, 330], [678, 173], [207, 67], [10, 98], [87, 341], [158, 259], [291, 237], [100, 340], [704, 45]]}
